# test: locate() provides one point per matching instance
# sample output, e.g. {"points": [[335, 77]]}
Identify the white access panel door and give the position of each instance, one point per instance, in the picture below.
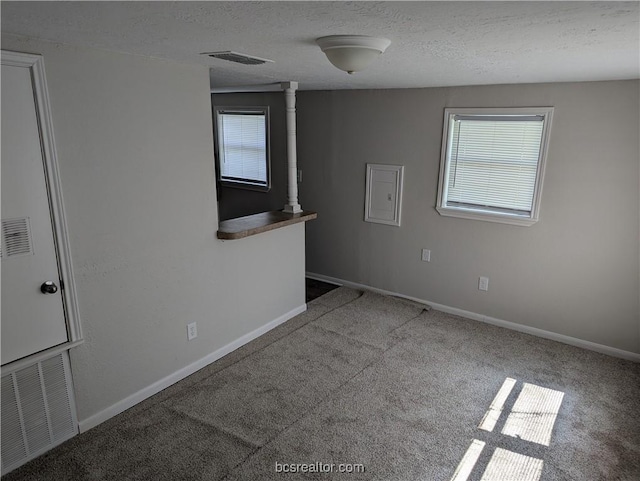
{"points": [[32, 320], [383, 197]]}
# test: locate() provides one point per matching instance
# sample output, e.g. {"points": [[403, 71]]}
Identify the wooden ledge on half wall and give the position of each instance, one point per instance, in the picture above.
{"points": [[249, 225]]}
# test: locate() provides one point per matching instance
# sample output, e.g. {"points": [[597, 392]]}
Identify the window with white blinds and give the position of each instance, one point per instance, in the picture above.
{"points": [[243, 147], [493, 163]]}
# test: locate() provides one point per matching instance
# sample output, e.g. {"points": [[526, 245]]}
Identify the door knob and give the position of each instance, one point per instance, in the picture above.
{"points": [[48, 287]]}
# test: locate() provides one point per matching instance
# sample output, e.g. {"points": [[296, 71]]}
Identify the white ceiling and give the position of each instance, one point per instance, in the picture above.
{"points": [[433, 43]]}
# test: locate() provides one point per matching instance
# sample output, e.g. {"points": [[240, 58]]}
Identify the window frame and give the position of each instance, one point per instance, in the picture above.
{"points": [[489, 215], [242, 183]]}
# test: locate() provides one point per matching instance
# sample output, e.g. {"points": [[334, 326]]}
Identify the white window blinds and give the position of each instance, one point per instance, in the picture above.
{"points": [[242, 146], [493, 162]]}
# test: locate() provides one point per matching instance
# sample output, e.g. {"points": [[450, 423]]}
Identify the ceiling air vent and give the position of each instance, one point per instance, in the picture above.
{"points": [[238, 57]]}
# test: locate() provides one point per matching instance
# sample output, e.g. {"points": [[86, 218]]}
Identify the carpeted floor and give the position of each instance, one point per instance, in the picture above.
{"points": [[364, 379]]}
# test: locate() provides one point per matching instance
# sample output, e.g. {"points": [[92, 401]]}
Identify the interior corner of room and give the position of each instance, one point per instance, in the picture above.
{"points": [[160, 263]]}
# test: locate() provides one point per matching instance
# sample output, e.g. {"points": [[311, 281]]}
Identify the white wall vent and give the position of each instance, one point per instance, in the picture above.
{"points": [[237, 57], [16, 237], [38, 410]]}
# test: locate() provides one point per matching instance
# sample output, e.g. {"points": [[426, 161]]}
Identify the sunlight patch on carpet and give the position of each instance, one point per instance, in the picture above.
{"points": [[495, 410], [531, 419], [506, 465], [534, 414], [468, 462]]}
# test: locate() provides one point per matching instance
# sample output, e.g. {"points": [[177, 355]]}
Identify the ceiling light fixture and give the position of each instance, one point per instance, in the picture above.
{"points": [[352, 53]]}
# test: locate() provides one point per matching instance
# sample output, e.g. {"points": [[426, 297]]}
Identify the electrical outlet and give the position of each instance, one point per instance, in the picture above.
{"points": [[192, 331], [426, 255], [483, 283], [299, 176]]}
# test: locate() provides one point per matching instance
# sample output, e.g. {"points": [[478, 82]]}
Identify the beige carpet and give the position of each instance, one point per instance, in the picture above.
{"points": [[362, 380]]}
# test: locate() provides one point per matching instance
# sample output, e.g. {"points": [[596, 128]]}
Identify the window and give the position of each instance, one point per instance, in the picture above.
{"points": [[242, 145], [492, 163]]}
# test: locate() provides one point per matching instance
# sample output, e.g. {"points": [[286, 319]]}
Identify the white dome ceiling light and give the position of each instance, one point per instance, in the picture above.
{"points": [[352, 53]]}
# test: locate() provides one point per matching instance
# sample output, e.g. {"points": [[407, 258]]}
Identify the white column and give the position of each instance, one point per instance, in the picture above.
{"points": [[292, 206]]}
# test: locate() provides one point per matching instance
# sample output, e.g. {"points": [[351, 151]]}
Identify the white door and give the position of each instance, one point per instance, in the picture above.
{"points": [[32, 306]]}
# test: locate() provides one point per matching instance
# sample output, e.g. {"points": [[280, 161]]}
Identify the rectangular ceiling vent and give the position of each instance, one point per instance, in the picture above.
{"points": [[238, 57]]}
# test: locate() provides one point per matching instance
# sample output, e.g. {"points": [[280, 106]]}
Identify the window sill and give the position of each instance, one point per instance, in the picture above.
{"points": [[245, 185], [486, 216], [242, 227]]}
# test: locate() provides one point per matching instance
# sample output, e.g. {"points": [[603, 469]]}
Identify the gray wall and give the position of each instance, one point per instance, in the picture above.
{"points": [[234, 202], [575, 272], [135, 147]]}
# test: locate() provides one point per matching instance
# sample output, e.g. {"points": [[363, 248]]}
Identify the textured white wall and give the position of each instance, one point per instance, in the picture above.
{"points": [[135, 148], [575, 272]]}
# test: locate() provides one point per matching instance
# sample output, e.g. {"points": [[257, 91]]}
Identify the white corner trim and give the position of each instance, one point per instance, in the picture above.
{"points": [[534, 331], [165, 382]]}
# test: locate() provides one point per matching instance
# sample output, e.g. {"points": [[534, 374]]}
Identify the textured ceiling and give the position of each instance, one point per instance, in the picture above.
{"points": [[433, 43]]}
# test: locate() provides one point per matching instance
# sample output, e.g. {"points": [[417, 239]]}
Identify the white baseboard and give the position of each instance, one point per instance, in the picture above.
{"points": [[573, 341], [165, 382]]}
